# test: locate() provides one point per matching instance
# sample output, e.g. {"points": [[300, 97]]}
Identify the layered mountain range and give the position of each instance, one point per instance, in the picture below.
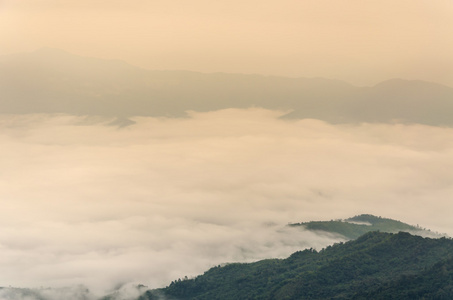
{"points": [[54, 81]]}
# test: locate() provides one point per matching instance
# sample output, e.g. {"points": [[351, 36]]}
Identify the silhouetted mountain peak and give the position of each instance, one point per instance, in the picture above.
{"points": [[54, 81], [406, 84]]}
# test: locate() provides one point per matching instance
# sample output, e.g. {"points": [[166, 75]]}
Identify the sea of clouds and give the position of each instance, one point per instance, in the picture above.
{"points": [[85, 205]]}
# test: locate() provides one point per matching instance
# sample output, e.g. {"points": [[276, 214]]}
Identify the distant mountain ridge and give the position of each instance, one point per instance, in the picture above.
{"points": [[54, 81], [356, 226]]}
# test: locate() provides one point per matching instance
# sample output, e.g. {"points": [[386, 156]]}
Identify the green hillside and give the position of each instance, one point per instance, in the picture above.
{"points": [[356, 226], [375, 266]]}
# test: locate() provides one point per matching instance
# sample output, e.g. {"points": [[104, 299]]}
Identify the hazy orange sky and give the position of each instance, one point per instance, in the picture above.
{"points": [[360, 41]]}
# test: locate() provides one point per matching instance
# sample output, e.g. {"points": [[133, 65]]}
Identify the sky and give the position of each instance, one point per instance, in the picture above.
{"points": [[362, 42], [84, 202]]}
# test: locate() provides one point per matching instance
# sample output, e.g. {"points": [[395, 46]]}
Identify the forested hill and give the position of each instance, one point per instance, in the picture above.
{"points": [[377, 265], [356, 226]]}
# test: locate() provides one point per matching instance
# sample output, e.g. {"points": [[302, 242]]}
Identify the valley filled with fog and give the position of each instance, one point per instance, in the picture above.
{"points": [[146, 141], [85, 202]]}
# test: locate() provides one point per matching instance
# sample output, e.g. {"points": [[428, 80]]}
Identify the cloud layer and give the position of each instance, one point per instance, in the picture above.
{"points": [[87, 203]]}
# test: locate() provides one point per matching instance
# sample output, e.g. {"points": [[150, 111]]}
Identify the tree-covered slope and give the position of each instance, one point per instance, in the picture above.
{"points": [[375, 266], [434, 283], [356, 226]]}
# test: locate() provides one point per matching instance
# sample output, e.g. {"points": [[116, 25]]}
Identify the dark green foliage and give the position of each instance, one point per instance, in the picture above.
{"points": [[375, 266], [354, 227], [434, 283]]}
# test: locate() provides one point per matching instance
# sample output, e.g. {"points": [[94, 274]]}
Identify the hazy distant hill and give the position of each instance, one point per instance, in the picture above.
{"points": [[354, 227], [54, 81], [376, 266]]}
